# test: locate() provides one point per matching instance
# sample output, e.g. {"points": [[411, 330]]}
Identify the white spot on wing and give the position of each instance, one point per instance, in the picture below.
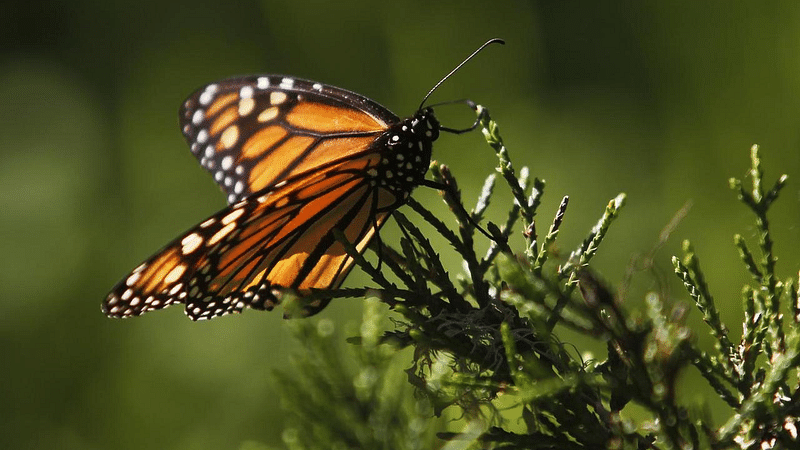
{"points": [[175, 274], [262, 82], [246, 106], [229, 136], [133, 279], [232, 216], [269, 113], [206, 97], [246, 92], [221, 233], [198, 117], [190, 243], [277, 97], [287, 83], [227, 162]]}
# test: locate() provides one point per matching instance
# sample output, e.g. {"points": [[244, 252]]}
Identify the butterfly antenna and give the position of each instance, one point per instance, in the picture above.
{"points": [[490, 41]]}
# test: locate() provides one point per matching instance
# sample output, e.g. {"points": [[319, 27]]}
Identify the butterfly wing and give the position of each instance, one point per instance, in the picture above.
{"points": [[257, 131], [280, 237], [298, 160]]}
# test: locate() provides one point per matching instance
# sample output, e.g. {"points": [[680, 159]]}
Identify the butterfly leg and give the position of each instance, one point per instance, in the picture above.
{"points": [[481, 114]]}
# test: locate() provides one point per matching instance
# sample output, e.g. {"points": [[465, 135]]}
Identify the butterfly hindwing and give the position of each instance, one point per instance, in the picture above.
{"points": [[280, 237], [254, 132]]}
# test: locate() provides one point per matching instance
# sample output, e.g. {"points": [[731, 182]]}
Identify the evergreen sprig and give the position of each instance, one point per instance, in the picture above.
{"points": [[487, 350]]}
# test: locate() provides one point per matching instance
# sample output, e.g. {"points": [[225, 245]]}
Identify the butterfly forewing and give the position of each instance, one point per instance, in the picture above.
{"points": [[254, 132]]}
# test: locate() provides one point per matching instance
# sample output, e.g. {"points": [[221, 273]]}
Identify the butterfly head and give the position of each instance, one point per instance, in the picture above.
{"points": [[423, 125]]}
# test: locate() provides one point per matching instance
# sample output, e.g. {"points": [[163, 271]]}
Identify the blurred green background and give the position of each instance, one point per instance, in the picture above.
{"points": [[660, 100]]}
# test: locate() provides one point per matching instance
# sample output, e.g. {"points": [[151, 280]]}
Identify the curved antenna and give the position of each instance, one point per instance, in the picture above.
{"points": [[490, 41]]}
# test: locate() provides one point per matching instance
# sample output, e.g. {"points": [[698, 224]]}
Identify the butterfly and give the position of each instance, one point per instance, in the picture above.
{"points": [[297, 159]]}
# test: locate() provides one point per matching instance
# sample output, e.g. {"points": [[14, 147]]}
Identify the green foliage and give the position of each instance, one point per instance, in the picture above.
{"points": [[337, 399], [486, 345]]}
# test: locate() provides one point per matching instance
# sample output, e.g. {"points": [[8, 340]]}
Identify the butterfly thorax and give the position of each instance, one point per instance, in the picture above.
{"points": [[406, 153]]}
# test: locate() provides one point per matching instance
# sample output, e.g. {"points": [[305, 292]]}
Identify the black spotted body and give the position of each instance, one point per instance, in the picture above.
{"points": [[407, 155]]}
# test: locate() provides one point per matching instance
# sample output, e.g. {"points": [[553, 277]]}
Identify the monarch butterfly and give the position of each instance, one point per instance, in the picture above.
{"points": [[297, 159]]}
